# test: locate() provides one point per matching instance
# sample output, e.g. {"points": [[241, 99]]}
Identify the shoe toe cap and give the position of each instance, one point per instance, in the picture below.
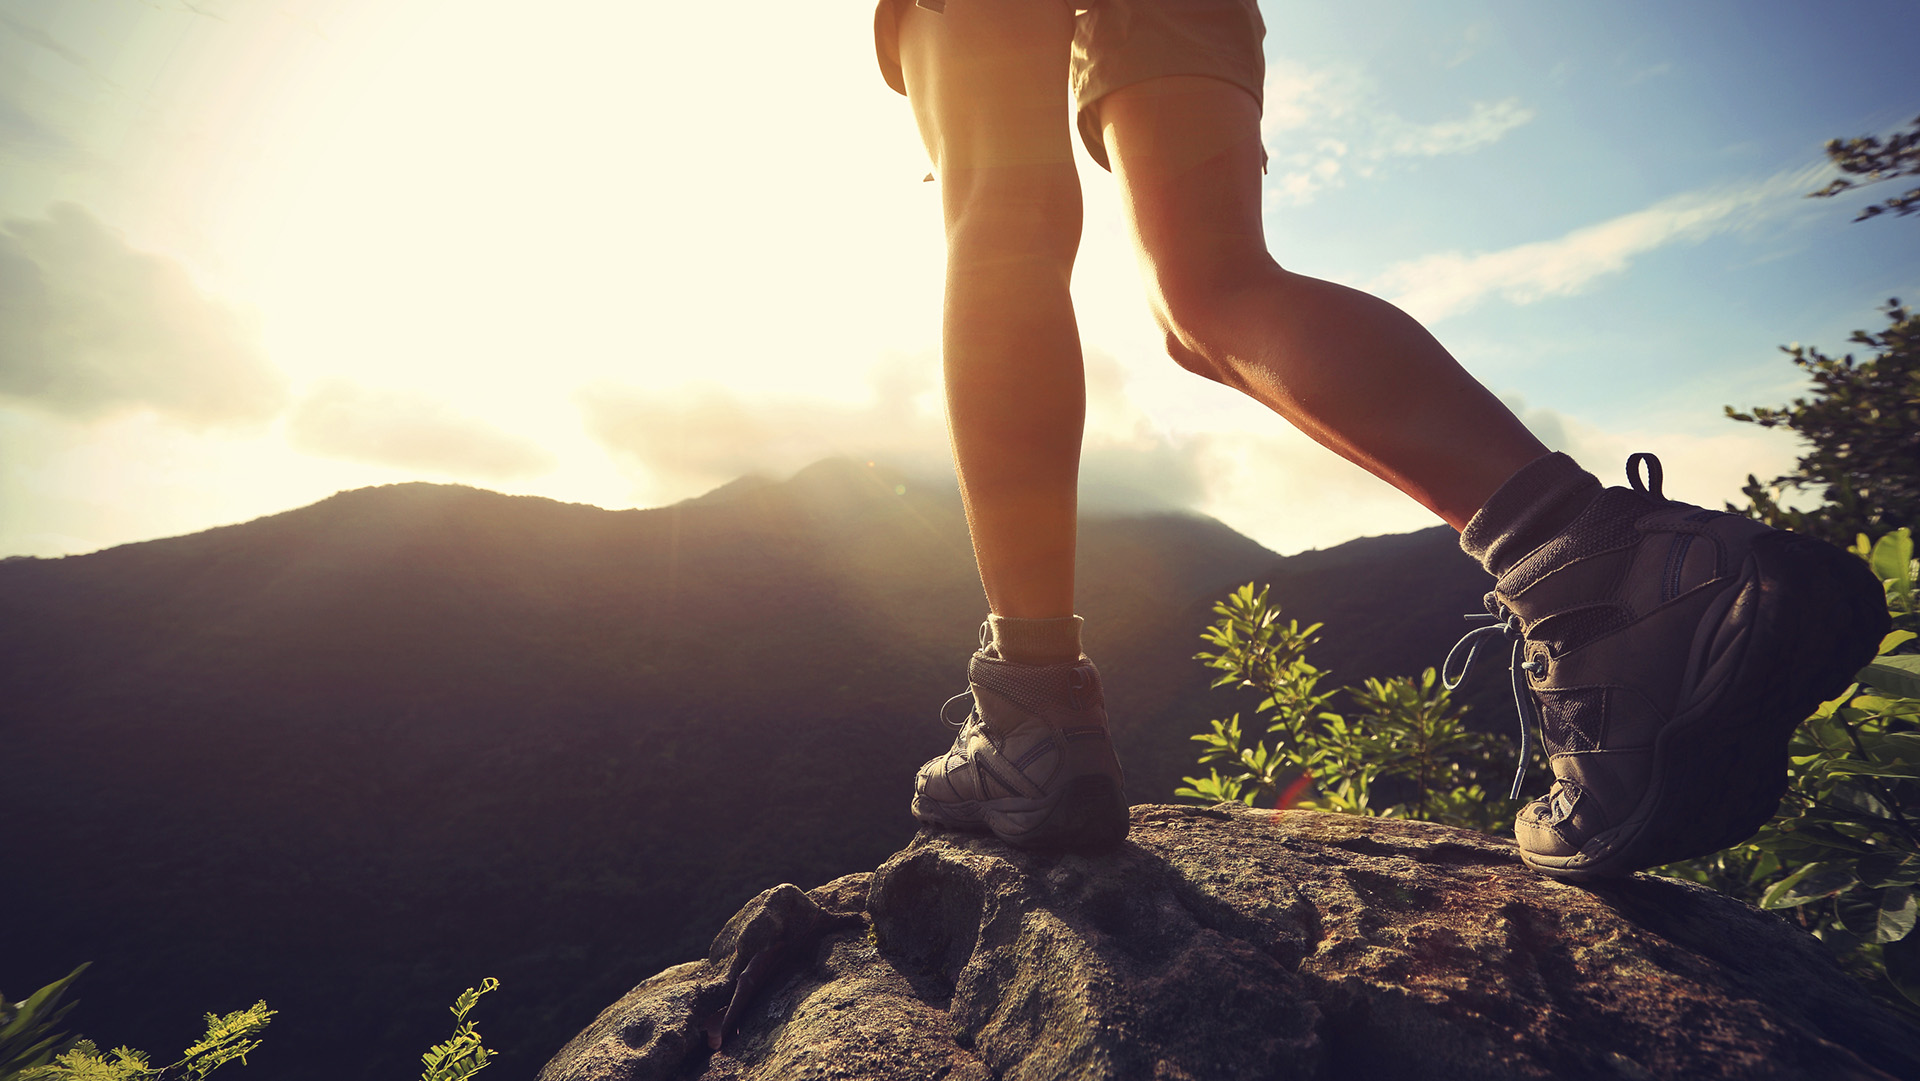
{"points": [[1561, 823], [937, 780], [1539, 832]]}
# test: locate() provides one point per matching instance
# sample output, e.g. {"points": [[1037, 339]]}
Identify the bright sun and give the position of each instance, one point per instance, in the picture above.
{"points": [[498, 205]]}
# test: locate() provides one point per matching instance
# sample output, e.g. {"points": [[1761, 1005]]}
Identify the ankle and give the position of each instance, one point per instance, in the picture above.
{"points": [[1535, 505], [1035, 641]]}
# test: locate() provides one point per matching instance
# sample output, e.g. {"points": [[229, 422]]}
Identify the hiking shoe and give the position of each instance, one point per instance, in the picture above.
{"points": [[1666, 653], [1033, 763]]}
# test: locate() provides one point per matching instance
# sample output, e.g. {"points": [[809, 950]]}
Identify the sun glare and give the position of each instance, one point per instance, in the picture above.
{"points": [[554, 249], [499, 205]]}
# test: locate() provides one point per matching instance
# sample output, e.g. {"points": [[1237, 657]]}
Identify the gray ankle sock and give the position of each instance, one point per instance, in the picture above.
{"points": [[1530, 509], [1036, 641]]}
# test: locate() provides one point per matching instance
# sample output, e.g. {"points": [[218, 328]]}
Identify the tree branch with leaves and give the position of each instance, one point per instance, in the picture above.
{"points": [[1875, 161]]}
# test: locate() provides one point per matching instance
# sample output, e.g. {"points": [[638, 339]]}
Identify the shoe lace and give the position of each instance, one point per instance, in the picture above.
{"points": [[986, 637], [948, 705], [1500, 623]]}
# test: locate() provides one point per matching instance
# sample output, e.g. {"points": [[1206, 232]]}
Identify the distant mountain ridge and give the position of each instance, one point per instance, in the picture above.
{"points": [[353, 757]]}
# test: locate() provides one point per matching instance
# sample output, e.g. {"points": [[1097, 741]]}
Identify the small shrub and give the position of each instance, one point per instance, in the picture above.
{"points": [[1404, 753], [463, 1054], [229, 1038], [29, 1029], [32, 1050]]}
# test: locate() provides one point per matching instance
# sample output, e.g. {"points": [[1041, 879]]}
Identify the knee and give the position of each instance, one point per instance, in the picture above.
{"points": [[1184, 313], [1198, 311], [1013, 219], [1189, 354]]}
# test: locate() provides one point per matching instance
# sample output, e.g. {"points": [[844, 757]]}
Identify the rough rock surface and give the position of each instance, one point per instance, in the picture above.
{"points": [[1230, 943]]}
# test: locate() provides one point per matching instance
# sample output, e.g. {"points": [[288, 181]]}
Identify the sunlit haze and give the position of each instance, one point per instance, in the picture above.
{"points": [[253, 252]]}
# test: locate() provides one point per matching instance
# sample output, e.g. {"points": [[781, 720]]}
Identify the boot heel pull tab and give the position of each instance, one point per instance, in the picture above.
{"points": [[1652, 485]]}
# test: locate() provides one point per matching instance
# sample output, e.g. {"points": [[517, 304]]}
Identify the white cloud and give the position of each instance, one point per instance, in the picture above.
{"points": [[1324, 125], [1297, 96], [44, 40], [1703, 466], [690, 440], [1277, 486], [410, 431], [1281, 488], [21, 134], [1651, 71], [1435, 286], [91, 327], [1128, 462], [1485, 123]]}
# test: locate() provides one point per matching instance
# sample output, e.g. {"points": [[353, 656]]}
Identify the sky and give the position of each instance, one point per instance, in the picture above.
{"points": [[254, 252]]}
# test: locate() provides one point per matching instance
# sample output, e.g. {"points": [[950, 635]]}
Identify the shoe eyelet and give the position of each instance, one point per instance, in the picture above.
{"points": [[1536, 666], [1078, 683]]}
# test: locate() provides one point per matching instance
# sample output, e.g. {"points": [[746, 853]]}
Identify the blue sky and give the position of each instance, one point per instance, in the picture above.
{"points": [[256, 251], [1631, 106]]}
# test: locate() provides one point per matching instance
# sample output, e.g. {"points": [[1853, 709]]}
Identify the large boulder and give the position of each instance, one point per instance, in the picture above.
{"points": [[1230, 943]]}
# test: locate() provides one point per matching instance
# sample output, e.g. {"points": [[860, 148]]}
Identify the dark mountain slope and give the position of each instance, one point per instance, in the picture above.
{"points": [[354, 757]]}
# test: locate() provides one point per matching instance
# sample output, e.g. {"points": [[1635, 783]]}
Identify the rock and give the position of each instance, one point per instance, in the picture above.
{"points": [[1228, 943]]}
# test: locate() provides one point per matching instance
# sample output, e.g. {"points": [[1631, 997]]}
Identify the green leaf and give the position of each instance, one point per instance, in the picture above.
{"points": [[229, 1038], [1898, 908], [1831, 705], [1859, 799], [1895, 675], [1856, 768], [1894, 744], [1894, 640], [27, 1036], [1892, 558], [1813, 882], [464, 1054], [1808, 838]]}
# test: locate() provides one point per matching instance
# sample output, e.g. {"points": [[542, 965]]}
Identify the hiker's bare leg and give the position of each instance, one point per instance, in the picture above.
{"points": [[1349, 369], [987, 82]]}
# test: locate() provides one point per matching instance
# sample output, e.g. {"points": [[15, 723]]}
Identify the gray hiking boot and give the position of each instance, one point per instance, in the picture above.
{"points": [[1033, 762], [1666, 653]]}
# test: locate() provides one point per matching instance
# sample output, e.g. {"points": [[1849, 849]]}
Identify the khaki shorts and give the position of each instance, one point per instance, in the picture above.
{"points": [[1117, 43]]}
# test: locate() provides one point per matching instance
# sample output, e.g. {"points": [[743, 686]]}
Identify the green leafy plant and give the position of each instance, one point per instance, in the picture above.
{"points": [[1252, 650], [1842, 858], [1404, 752], [1875, 161], [1413, 728], [229, 1038], [464, 1053], [32, 1050], [29, 1029], [1861, 425]]}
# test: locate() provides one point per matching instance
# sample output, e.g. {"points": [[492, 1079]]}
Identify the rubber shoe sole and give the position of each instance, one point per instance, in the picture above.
{"points": [[1089, 814], [1719, 769]]}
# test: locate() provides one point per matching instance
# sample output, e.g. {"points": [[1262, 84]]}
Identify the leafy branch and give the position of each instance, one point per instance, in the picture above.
{"points": [[1404, 752], [33, 1049], [463, 1054], [1876, 161]]}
